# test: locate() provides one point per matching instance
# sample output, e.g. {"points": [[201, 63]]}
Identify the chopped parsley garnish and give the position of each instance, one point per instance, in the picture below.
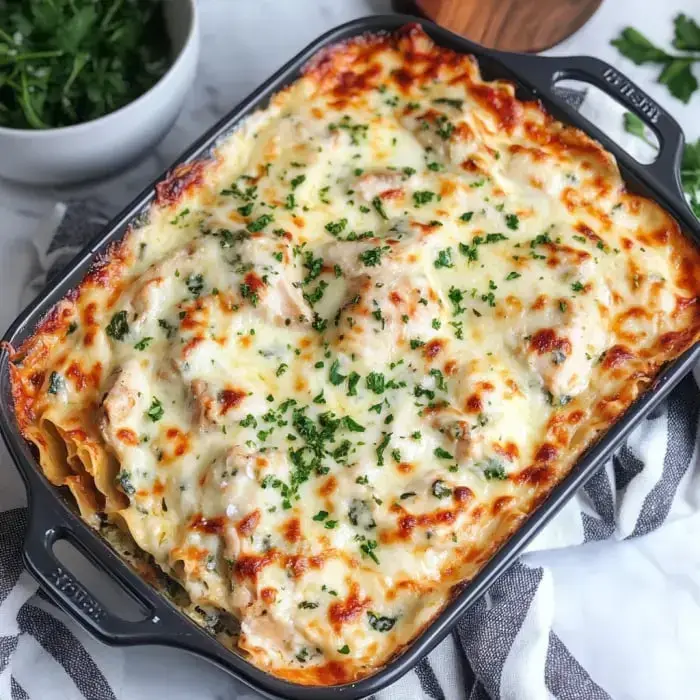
{"points": [[334, 375], [356, 131], [375, 382], [316, 295], [436, 167], [445, 128], [259, 223], [281, 369], [381, 447], [379, 207], [422, 197], [336, 227], [298, 180], [467, 216], [320, 516], [323, 195], [442, 454], [512, 222], [440, 382], [143, 343], [155, 411], [246, 209], [456, 296], [577, 287], [353, 379], [444, 258], [118, 327], [373, 256], [248, 293], [367, 548], [345, 649], [307, 605], [513, 276], [248, 422], [313, 265], [352, 425]]}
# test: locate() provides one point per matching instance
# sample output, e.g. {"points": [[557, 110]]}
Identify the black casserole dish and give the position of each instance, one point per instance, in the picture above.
{"points": [[51, 518]]}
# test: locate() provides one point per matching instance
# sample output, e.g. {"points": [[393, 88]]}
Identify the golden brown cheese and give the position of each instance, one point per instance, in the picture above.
{"points": [[345, 358]]}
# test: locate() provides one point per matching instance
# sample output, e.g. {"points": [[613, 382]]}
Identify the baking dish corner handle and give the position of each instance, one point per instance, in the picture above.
{"points": [[64, 589], [543, 72]]}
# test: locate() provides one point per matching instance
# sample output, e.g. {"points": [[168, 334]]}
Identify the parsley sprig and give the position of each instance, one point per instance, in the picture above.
{"points": [[690, 165], [676, 73]]}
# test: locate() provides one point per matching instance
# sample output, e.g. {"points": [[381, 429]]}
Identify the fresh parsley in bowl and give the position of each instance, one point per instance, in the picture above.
{"points": [[63, 62], [86, 86]]}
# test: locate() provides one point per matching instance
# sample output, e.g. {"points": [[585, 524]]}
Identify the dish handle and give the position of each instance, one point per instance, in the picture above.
{"points": [[543, 72], [46, 527]]}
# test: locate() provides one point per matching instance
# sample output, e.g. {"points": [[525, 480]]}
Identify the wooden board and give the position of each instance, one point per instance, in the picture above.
{"points": [[511, 25]]}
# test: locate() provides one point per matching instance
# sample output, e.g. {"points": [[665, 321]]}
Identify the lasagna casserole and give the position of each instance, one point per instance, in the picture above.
{"points": [[338, 363]]}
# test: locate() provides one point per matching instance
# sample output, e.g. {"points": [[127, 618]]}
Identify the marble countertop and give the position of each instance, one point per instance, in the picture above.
{"points": [[242, 44]]}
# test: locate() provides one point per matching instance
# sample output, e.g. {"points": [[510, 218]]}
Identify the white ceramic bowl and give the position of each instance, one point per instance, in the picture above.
{"points": [[96, 148]]}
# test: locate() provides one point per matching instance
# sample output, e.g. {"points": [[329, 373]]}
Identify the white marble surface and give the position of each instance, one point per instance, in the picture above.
{"points": [[243, 43]]}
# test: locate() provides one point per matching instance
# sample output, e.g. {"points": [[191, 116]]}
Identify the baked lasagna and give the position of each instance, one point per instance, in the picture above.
{"points": [[339, 362]]}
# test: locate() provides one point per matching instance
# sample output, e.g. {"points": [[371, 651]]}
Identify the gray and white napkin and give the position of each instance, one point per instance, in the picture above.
{"points": [[511, 645]]}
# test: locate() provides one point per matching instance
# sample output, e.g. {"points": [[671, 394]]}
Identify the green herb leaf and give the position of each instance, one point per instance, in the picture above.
{"points": [[379, 207], [259, 223], [635, 126], [422, 197], [143, 343], [444, 259], [118, 327], [373, 256], [442, 454], [155, 411], [375, 382], [635, 46], [687, 33], [678, 77], [381, 447]]}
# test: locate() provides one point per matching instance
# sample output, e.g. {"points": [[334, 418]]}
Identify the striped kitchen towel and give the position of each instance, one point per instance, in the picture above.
{"points": [[605, 603]]}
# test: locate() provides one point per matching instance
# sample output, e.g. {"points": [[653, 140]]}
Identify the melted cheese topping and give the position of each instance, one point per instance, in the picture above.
{"points": [[341, 361]]}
